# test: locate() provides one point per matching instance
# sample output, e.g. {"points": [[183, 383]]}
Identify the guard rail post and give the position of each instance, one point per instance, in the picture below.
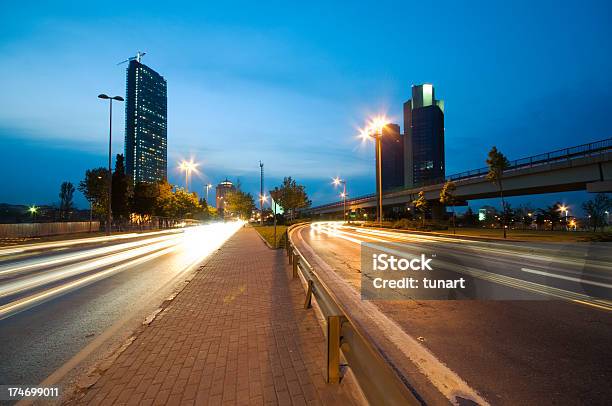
{"points": [[296, 260], [308, 302], [334, 324]]}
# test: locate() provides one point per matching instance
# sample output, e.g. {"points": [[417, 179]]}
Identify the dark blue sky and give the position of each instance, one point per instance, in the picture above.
{"points": [[291, 85]]}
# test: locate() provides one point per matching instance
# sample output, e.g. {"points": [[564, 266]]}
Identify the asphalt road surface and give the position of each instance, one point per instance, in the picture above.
{"points": [[58, 299], [549, 341]]}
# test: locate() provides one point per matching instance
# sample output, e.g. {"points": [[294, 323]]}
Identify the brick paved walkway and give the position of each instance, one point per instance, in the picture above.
{"points": [[236, 334]]}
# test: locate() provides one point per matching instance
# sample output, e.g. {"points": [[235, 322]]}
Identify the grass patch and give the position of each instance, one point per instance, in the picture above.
{"points": [[267, 232]]}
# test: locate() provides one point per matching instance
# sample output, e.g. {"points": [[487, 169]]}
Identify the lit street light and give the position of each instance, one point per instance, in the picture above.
{"points": [[337, 181], [33, 210], [207, 189], [565, 209], [375, 130], [188, 167], [110, 170]]}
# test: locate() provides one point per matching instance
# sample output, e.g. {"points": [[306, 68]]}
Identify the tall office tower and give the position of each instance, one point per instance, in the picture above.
{"points": [[424, 137], [146, 124], [222, 190], [392, 143]]}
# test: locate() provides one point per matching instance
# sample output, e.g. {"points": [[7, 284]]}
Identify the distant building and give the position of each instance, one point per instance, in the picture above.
{"points": [[146, 124], [423, 137], [222, 190], [392, 143]]}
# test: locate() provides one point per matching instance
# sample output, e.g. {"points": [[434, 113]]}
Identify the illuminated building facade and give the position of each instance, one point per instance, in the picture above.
{"points": [[423, 138], [146, 124], [222, 190], [392, 164]]}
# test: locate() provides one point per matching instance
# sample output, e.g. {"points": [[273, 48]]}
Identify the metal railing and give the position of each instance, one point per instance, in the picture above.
{"points": [[565, 154], [378, 380]]}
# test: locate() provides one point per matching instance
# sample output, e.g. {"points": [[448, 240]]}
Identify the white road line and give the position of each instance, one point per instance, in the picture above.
{"points": [[567, 278]]}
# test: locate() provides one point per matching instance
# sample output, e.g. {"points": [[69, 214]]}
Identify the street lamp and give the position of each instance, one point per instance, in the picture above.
{"points": [[110, 142], [565, 209], [33, 210], [337, 181], [188, 167], [207, 189], [375, 130], [262, 199]]}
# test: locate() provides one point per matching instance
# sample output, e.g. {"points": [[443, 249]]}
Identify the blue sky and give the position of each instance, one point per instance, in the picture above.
{"points": [[290, 85]]}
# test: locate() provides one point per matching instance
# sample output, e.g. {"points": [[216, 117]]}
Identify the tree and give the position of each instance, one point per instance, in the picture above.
{"points": [[291, 196], [552, 214], [239, 203], [524, 215], [66, 194], [203, 213], [95, 189], [120, 200], [186, 204], [448, 198], [421, 205], [144, 201], [498, 163], [507, 214], [596, 210], [469, 218], [165, 203]]}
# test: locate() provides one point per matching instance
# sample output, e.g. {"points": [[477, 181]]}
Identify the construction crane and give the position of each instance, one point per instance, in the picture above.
{"points": [[138, 57]]}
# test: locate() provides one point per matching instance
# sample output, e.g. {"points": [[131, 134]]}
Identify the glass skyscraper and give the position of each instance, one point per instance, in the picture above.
{"points": [[146, 124], [424, 137], [392, 144]]}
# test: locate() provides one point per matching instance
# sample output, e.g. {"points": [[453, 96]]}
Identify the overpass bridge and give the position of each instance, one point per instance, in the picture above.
{"points": [[583, 167]]}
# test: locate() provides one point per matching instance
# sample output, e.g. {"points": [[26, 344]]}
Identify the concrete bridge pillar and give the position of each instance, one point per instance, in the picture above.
{"points": [[438, 210]]}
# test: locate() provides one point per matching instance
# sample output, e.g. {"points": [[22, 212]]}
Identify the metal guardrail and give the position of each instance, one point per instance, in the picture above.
{"points": [[565, 154], [377, 379]]}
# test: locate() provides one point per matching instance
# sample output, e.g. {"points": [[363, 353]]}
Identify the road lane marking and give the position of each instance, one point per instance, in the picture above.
{"points": [[567, 278]]}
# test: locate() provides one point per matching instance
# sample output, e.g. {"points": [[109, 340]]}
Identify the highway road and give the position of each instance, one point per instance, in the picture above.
{"points": [[546, 340], [69, 303]]}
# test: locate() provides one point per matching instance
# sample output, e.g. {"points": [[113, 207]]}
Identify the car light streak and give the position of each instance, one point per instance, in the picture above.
{"points": [[188, 248], [333, 229], [67, 243], [32, 282], [34, 264]]}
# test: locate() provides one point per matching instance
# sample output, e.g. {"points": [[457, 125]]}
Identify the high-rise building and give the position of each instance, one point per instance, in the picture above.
{"points": [[222, 190], [146, 124], [423, 137], [392, 165]]}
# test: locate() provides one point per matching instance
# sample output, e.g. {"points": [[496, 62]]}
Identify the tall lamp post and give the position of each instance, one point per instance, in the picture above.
{"points": [[207, 189], [110, 143], [375, 130], [337, 181], [566, 210], [262, 200], [187, 167]]}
